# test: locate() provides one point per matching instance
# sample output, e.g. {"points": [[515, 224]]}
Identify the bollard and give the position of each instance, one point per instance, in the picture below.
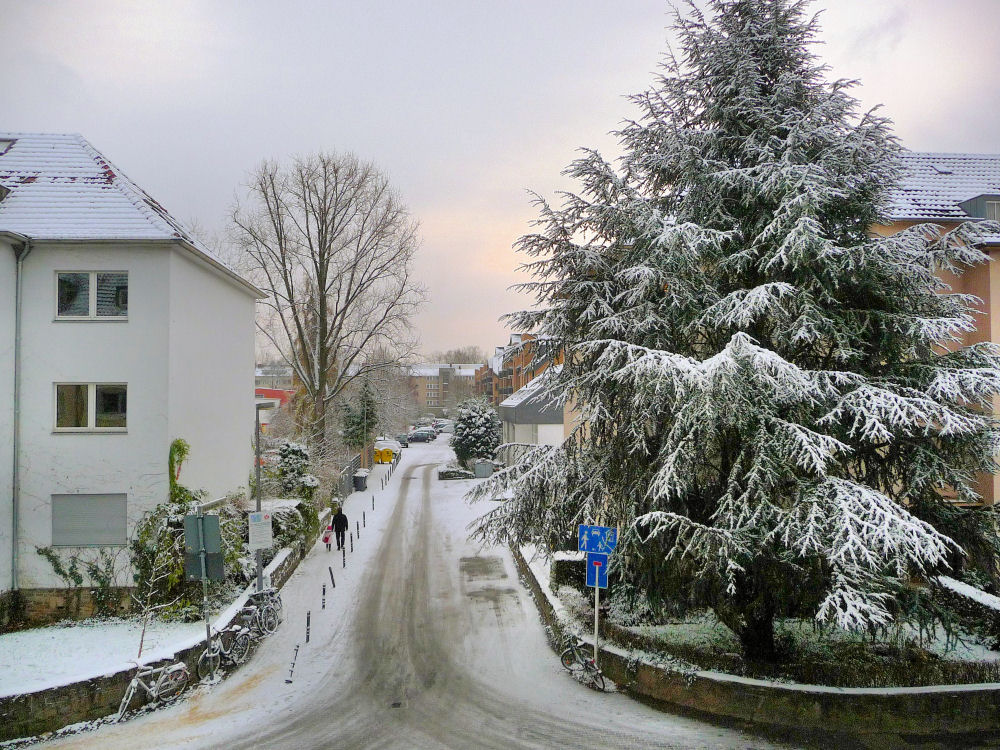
{"points": [[333, 583], [344, 550], [324, 597], [363, 521], [308, 615], [290, 671], [352, 542], [373, 502], [357, 525]]}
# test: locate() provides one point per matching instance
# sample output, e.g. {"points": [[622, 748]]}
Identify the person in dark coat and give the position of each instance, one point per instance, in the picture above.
{"points": [[340, 525]]}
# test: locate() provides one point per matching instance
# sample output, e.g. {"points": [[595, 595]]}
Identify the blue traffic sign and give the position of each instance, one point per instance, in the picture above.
{"points": [[597, 538], [597, 570]]}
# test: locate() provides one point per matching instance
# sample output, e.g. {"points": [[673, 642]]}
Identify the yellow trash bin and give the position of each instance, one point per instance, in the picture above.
{"points": [[386, 455]]}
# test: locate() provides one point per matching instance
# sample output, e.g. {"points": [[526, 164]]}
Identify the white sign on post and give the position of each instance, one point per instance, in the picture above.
{"points": [[260, 531]]}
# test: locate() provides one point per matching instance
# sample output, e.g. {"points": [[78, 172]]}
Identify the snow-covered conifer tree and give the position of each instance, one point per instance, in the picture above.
{"points": [[477, 430], [776, 404]]}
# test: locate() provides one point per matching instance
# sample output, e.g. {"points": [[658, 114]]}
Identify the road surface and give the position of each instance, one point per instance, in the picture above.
{"points": [[428, 641]]}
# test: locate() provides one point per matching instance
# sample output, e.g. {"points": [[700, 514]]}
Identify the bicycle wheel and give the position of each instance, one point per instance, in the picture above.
{"points": [[240, 648], [597, 679], [569, 660], [209, 662], [268, 619], [123, 706], [173, 680]]}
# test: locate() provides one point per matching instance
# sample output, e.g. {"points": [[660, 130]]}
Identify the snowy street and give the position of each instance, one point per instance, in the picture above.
{"points": [[426, 642]]}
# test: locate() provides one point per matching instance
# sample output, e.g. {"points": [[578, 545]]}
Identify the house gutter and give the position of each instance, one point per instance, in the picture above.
{"points": [[21, 246]]}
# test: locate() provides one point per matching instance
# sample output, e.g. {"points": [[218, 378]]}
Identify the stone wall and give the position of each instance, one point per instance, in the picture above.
{"points": [[11, 610], [46, 606], [932, 710]]}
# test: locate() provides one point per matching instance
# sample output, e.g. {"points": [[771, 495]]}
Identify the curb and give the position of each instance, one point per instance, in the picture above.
{"points": [[928, 710]]}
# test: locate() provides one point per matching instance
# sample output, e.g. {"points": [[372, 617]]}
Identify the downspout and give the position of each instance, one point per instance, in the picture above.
{"points": [[21, 246]]}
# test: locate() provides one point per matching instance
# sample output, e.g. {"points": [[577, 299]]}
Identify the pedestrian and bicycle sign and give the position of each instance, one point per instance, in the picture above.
{"points": [[598, 542], [597, 538]]}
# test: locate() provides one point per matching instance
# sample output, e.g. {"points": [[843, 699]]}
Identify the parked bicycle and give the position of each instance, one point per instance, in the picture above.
{"points": [[575, 659], [269, 596], [259, 620], [160, 684], [231, 645]]}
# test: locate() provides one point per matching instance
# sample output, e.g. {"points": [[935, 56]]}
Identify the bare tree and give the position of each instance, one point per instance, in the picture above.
{"points": [[470, 354], [333, 246]]}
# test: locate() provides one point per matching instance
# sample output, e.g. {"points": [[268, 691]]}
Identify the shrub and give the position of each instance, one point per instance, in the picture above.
{"points": [[477, 431]]}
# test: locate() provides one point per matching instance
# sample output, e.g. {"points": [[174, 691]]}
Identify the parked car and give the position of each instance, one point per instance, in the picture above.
{"points": [[403, 440], [419, 436], [427, 432]]}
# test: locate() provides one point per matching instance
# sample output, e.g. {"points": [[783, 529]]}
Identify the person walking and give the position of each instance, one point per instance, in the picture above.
{"points": [[340, 525]]}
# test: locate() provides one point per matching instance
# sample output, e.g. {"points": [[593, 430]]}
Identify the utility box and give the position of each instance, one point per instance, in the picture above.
{"points": [[482, 468]]}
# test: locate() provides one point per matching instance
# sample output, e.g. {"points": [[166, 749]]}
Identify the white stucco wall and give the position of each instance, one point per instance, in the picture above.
{"points": [[211, 376], [550, 434], [541, 434], [133, 351], [6, 409]]}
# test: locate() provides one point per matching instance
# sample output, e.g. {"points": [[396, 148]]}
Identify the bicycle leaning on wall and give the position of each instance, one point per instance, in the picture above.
{"points": [[160, 684]]}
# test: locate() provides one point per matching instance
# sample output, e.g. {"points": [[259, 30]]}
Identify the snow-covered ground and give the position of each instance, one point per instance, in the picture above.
{"points": [[427, 641], [41, 658], [32, 660]]}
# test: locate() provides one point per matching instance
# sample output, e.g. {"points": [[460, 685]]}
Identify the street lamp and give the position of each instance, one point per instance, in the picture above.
{"points": [[256, 489]]}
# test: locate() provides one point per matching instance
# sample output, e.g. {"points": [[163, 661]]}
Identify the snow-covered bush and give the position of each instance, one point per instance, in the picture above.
{"points": [[477, 431], [292, 471], [156, 550], [776, 406]]}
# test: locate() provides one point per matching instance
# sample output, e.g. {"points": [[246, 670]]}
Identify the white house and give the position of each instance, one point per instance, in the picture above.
{"points": [[119, 332], [529, 415]]}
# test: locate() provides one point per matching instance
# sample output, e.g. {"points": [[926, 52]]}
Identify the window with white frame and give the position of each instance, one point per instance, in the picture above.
{"points": [[91, 407], [89, 520], [92, 295], [993, 210]]}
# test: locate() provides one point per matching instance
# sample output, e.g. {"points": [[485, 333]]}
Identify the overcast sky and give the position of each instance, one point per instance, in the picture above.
{"points": [[466, 105]]}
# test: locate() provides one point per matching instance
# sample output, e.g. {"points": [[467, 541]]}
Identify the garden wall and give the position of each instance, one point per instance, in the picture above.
{"points": [[935, 709], [32, 714]]}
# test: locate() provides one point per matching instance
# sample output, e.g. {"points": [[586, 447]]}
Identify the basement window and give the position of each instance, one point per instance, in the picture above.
{"points": [[87, 520]]}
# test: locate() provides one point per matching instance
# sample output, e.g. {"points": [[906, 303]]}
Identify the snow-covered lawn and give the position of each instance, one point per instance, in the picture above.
{"points": [[702, 642], [40, 658]]}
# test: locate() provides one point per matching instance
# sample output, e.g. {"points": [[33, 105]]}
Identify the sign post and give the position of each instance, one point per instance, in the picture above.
{"points": [[598, 542], [203, 560]]}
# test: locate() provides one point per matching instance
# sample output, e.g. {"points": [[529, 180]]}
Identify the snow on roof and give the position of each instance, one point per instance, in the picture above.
{"points": [[62, 188], [532, 387], [933, 184], [462, 370]]}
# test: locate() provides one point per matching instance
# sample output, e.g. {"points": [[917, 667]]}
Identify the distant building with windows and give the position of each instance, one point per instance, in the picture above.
{"points": [[274, 376], [119, 332], [438, 388]]}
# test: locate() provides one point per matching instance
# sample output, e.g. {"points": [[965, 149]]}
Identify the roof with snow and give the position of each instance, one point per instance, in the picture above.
{"points": [[934, 184], [463, 370], [62, 188], [531, 404]]}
